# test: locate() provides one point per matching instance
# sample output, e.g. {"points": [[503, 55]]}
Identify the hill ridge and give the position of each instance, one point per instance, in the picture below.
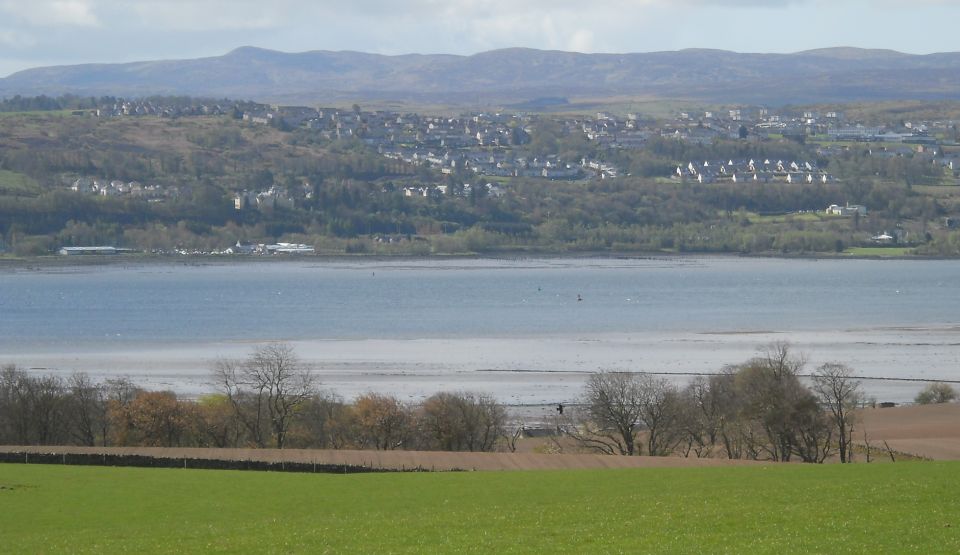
{"points": [[512, 75]]}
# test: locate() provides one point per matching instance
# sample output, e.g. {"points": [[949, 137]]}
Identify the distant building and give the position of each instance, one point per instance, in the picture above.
{"points": [[289, 248], [848, 210], [77, 251]]}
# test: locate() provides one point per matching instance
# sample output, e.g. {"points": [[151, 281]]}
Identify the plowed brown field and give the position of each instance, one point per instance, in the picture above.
{"points": [[931, 431]]}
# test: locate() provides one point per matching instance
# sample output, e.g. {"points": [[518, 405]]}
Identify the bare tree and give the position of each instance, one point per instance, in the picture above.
{"points": [[14, 417], [700, 417], [32, 408], [660, 414], [87, 410], [839, 391], [610, 420], [618, 406], [733, 432], [867, 447], [781, 360], [266, 390], [47, 402], [812, 430], [515, 436], [772, 400], [247, 405]]}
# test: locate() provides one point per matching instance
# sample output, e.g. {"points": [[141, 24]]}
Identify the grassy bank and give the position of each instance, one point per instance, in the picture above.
{"points": [[904, 507]]}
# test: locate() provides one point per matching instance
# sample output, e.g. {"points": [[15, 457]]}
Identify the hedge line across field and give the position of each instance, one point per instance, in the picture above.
{"points": [[147, 461]]}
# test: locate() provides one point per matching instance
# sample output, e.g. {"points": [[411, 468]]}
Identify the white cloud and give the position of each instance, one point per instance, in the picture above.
{"points": [[52, 13], [179, 15], [11, 38], [581, 41]]}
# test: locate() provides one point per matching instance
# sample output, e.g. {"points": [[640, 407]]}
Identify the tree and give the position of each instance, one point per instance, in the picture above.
{"points": [[724, 401], [382, 421], [14, 419], [660, 414], [158, 419], [613, 403], [217, 424], [31, 408], [461, 422], [120, 393], [936, 393], [87, 410], [266, 390], [773, 401], [326, 422], [619, 405], [839, 392]]}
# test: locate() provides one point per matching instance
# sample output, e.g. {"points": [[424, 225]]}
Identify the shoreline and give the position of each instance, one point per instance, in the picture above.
{"points": [[47, 261]]}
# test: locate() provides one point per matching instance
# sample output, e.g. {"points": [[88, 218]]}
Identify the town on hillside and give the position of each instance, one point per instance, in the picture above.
{"points": [[489, 144]]}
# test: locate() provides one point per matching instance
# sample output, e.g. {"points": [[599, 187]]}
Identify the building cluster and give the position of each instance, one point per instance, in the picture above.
{"points": [[483, 144], [240, 248], [271, 199], [490, 144], [116, 188], [158, 106], [265, 249], [475, 146], [764, 171]]}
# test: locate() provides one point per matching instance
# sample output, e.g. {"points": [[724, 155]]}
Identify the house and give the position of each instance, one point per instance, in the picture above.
{"points": [[848, 210], [242, 248], [242, 201], [82, 185]]}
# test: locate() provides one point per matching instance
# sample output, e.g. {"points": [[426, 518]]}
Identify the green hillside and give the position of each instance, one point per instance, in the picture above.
{"points": [[889, 508], [14, 184]]}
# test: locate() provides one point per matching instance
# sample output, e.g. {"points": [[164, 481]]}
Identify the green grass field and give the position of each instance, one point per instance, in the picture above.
{"points": [[37, 113], [808, 217], [879, 251], [12, 183], [890, 508]]}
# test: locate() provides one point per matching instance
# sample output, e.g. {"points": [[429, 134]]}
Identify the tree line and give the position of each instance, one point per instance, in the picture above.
{"points": [[268, 400], [757, 410]]}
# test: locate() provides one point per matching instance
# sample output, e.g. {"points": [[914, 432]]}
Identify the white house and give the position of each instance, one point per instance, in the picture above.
{"points": [[848, 210]]}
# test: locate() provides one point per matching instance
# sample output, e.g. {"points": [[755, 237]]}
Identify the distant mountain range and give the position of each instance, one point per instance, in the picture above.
{"points": [[515, 76]]}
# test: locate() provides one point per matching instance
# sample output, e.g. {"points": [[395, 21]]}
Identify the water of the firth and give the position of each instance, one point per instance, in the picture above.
{"points": [[513, 328], [155, 304]]}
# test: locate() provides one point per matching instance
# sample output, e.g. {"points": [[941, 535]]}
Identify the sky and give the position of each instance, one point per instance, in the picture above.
{"points": [[61, 32]]}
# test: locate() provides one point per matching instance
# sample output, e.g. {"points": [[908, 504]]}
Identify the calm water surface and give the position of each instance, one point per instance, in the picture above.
{"points": [[158, 303]]}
